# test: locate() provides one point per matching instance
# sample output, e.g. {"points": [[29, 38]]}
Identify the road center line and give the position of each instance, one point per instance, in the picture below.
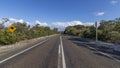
{"points": [[59, 51], [22, 51], [59, 57], [63, 57]]}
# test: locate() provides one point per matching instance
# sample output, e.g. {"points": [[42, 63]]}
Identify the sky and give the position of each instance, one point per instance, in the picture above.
{"points": [[59, 13]]}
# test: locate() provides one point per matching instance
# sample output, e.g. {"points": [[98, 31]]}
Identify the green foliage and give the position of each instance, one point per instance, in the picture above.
{"points": [[114, 36], [117, 26], [108, 31], [23, 31], [7, 38]]}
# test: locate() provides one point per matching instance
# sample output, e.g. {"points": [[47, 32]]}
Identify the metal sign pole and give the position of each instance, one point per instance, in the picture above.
{"points": [[96, 32]]}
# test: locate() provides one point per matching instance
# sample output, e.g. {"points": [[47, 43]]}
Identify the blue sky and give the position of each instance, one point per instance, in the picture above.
{"points": [[60, 12]]}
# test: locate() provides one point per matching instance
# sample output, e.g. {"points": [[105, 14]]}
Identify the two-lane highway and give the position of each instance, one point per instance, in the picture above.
{"points": [[58, 52]]}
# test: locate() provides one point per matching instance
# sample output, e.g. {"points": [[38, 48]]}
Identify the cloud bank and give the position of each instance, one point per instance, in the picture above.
{"points": [[59, 25], [65, 24], [16, 20], [41, 23]]}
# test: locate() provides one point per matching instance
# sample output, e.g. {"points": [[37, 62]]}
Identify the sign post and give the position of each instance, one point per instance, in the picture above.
{"points": [[96, 32]]}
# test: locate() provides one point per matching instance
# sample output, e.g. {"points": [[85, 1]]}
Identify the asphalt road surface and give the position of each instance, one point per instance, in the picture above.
{"points": [[58, 52]]}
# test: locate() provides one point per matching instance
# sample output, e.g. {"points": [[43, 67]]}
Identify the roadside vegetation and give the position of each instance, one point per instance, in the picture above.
{"points": [[24, 32], [108, 31]]}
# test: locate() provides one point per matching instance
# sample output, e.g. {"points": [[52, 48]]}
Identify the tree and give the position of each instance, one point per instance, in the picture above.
{"points": [[22, 29], [108, 31], [24, 32], [117, 27]]}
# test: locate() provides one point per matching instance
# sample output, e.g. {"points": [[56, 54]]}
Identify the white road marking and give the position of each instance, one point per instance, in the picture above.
{"points": [[59, 57], [63, 57], [22, 52], [59, 51], [105, 54], [91, 48]]}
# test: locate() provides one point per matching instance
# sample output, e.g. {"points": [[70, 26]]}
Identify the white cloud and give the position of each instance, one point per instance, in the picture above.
{"points": [[16, 20], [41, 23], [100, 13], [13, 20], [88, 23], [7, 24], [113, 2], [59, 25], [62, 25], [28, 23], [0, 22], [3, 20], [65, 24]]}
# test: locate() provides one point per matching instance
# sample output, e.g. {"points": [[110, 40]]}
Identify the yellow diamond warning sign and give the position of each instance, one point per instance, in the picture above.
{"points": [[11, 28]]}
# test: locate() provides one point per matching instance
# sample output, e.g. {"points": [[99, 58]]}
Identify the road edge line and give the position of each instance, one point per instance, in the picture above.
{"points": [[25, 50], [105, 54]]}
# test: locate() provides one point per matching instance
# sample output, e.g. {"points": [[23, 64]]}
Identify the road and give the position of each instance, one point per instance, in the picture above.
{"points": [[58, 52]]}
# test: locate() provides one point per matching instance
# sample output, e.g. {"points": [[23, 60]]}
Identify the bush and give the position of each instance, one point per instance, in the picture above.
{"points": [[114, 37], [24, 32], [108, 31]]}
